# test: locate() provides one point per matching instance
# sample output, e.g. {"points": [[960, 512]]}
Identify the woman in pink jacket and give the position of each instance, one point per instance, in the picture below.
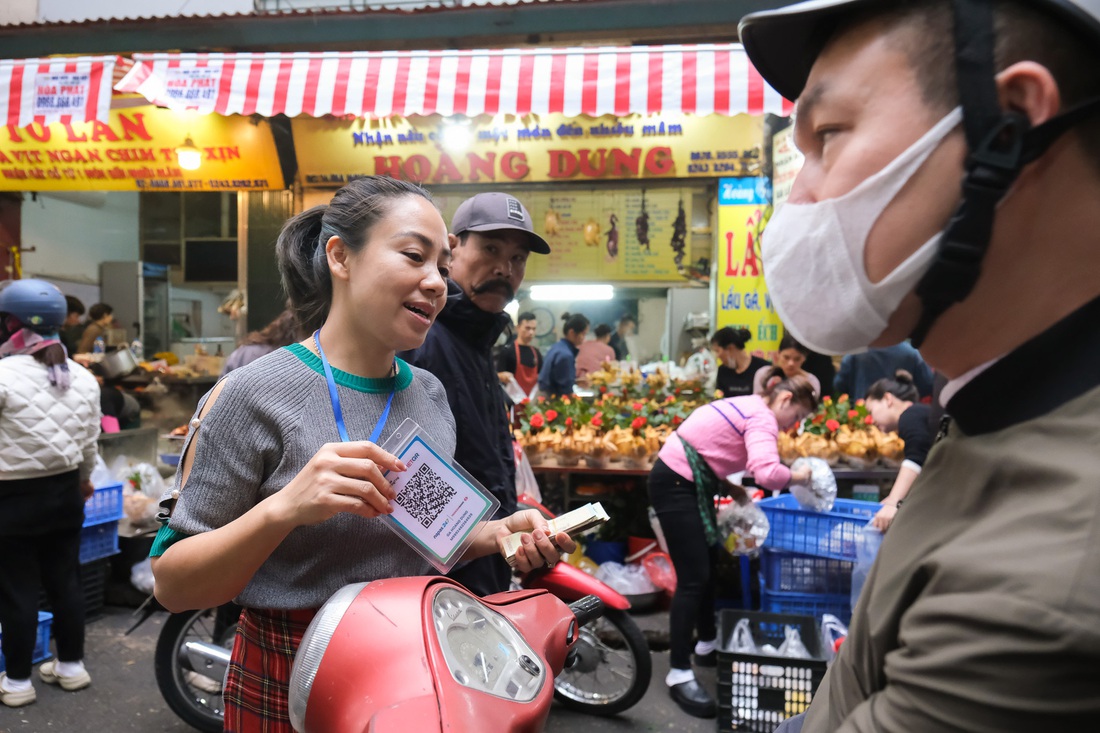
{"points": [[724, 437]]}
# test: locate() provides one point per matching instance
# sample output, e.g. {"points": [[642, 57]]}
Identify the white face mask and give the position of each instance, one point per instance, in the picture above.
{"points": [[813, 257]]}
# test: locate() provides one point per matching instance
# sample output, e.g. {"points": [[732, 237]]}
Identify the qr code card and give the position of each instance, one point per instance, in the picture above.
{"points": [[439, 507]]}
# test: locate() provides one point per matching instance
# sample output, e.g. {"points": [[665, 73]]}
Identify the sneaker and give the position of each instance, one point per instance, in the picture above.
{"points": [[76, 682], [707, 660], [15, 699]]}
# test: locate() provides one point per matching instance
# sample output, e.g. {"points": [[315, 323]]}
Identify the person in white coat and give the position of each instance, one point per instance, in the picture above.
{"points": [[49, 423]]}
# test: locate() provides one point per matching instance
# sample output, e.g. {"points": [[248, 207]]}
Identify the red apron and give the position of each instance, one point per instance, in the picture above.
{"points": [[527, 377]]}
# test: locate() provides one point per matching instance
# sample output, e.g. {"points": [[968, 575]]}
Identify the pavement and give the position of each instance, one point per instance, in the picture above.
{"points": [[124, 695]]}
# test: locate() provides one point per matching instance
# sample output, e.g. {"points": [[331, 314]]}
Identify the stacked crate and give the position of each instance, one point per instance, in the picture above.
{"points": [[806, 564], [41, 642]]}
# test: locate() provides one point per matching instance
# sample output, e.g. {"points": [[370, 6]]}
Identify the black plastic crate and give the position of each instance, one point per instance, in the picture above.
{"points": [[93, 582], [757, 692]]}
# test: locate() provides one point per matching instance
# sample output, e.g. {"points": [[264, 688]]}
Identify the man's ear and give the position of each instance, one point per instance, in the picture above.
{"points": [[337, 253], [1030, 89]]}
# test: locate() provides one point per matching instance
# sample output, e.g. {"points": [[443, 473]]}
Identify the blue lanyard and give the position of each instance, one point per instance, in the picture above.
{"points": [[334, 397]]}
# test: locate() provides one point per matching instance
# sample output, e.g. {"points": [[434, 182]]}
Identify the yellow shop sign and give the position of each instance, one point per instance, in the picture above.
{"points": [[136, 151], [435, 151]]}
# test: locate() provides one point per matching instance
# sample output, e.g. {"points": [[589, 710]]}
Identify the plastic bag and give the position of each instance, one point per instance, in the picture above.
{"points": [[525, 477], [743, 527], [868, 542], [820, 495], [141, 576], [792, 646], [630, 580], [101, 475], [145, 479], [833, 632], [742, 641], [658, 566]]}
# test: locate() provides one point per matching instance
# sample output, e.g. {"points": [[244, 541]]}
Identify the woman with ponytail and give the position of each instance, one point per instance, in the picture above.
{"points": [[274, 504], [738, 367], [49, 423], [722, 438], [893, 404]]}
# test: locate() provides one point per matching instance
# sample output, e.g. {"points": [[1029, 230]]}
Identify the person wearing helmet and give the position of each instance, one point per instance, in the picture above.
{"points": [[49, 423], [949, 195]]}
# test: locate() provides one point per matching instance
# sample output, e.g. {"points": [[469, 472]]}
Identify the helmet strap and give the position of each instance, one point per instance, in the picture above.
{"points": [[1001, 144]]}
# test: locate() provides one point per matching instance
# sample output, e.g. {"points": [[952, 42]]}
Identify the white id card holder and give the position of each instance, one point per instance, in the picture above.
{"points": [[439, 508]]}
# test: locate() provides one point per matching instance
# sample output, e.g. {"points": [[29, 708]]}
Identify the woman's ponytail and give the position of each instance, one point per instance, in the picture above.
{"points": [[303, 266], [801, 389], [901, 386]]}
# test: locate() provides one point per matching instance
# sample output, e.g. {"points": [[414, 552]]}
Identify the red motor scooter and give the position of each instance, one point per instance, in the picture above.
{"points": [[611, 667], [424, 654]]}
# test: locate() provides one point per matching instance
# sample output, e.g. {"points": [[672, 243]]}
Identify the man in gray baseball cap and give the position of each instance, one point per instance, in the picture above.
{"points": [[491, 239]]}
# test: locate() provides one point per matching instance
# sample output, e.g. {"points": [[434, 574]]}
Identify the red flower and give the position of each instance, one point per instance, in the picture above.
{"points": [[537, 420], [638, 406], [669, 400], [551, 415], [852, 414], [676, 420], [818, 419], [568, 422], [638, 423], [832, 425], [597, 421], [843, 398], [542, 400], [869, 420], [603, 389]]}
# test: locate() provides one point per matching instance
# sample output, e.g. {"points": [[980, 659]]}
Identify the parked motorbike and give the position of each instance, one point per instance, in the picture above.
{"points": [[613, 668], [442, 658], [609, 671]]}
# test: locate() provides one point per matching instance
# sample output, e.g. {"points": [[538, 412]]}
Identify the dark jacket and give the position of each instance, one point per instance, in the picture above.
{"points": [[458, 350], [559, 370]]}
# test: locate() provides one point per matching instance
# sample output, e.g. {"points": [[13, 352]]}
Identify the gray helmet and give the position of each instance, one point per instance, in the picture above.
{"points": [[36, 304], [784, 43]]}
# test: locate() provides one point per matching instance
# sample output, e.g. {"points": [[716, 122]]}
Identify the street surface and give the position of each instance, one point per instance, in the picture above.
{"points": [[124, 696]]}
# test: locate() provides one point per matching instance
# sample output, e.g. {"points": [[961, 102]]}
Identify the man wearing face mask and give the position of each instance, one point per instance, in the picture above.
{"points": [[949, 195], [491, 238]]}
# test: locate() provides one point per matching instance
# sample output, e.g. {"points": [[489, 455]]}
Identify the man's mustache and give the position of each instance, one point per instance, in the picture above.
{"points": [[495, 285]]}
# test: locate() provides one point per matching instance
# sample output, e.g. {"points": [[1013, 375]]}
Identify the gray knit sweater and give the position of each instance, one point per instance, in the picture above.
{"points": [[270, 418]]}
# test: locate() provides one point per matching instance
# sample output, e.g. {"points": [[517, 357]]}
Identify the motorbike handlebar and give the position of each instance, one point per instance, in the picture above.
{"points": [[587, 609]]}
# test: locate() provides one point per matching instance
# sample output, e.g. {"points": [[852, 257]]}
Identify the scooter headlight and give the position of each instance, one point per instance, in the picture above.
{"points": [[483, 650], [312, 649]]}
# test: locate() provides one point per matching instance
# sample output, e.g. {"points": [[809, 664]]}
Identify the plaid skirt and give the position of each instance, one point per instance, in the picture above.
{"points": [[258, 683]]}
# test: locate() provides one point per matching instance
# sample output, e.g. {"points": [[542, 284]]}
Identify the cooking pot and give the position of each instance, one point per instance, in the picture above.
{"points": [[118, 363]]}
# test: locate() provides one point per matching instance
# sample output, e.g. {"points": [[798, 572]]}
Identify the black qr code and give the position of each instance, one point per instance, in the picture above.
{"points": [[425, 495]]}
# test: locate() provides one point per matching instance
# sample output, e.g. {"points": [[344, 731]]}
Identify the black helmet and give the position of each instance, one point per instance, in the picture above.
{"points": [[36, 304], [784, 43]]}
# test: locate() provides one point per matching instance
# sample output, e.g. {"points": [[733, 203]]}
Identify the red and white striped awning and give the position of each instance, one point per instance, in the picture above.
{"points": [[55, 89], [696, 79]]}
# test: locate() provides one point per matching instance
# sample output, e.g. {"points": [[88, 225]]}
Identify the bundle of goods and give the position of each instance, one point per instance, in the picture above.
{"points": [[842, 431]]}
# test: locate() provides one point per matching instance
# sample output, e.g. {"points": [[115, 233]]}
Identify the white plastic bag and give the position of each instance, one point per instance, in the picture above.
{"points": [[868, 542], [101, 475], [742, 641], [820, 495], [525, 477], [833, 631], [792, 646], [743, 527], [141, 576], [630, 580]]}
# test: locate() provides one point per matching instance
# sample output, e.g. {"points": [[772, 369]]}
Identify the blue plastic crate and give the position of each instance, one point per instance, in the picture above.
{"points": [[41, 643], [822, 534], [98, 541], [807, 604], [788, 572], [104, 506]]}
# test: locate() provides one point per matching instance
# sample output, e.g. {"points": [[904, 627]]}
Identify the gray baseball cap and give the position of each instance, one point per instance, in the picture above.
{"points": [[488, 212]]}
